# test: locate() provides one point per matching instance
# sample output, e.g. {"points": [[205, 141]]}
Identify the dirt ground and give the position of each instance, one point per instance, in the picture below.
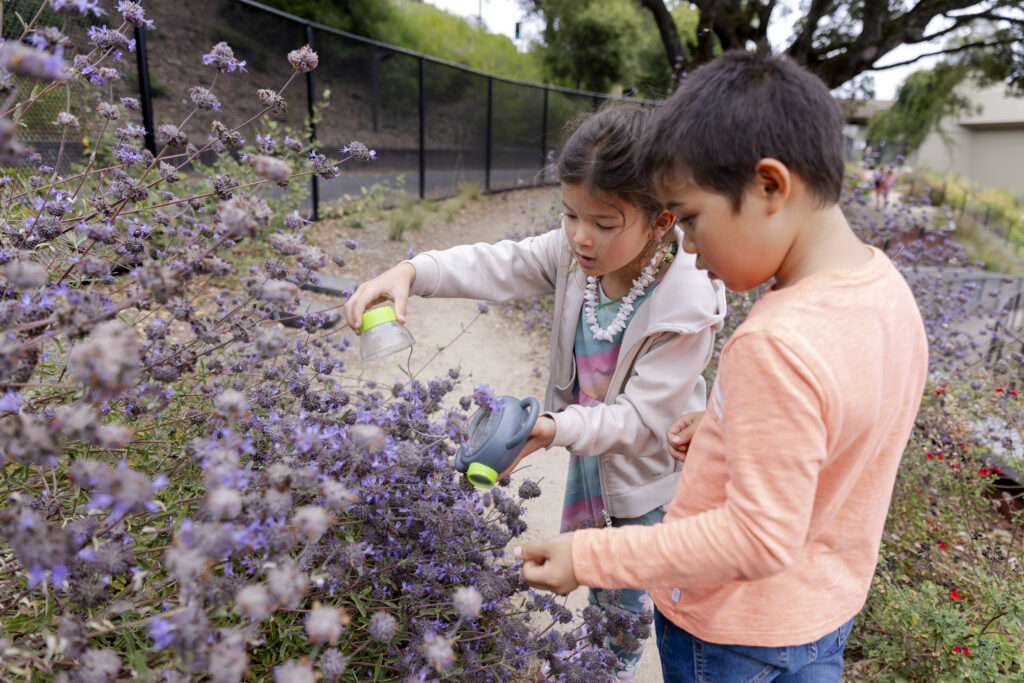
{"points": [[495, 349]]}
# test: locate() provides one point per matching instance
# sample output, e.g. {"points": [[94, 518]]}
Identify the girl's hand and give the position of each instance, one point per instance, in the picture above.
{"points": [[548, 564], [541, 436], [393, 284], [681, 433]]}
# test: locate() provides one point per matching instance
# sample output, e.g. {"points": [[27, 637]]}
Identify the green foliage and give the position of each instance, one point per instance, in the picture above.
{"points": [[355, 209], [989, 220], [362, 17], [592, 45], [924, 99], [947, 603], [424, 28]]}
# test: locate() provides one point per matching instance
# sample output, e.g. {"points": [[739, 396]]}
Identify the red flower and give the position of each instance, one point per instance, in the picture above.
{"points": [[940, 392], [942, 544], [929, 455], [1013, 392], [967, 651], [940, 456], [956, 649], [955, 595], [954, 467], [999, 390]]}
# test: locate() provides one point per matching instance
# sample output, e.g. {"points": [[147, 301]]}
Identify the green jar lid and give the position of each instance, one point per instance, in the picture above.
{"points": [[481, 476], [377, 316]]}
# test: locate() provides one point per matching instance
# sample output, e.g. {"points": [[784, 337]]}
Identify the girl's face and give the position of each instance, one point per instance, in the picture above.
{"points": [[608, 235]]}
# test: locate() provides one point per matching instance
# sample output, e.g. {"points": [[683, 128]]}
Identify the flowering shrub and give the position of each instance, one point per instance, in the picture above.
{"points": [[188, 489]]}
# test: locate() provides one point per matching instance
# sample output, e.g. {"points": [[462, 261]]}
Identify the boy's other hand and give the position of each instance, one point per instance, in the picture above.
{"points": [[681, 433], [393, 284], [548, 564], [541, 436]]}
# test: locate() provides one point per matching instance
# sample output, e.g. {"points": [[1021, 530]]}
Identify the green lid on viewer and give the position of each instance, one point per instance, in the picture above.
{"points": [[377, 316], [481, 476]]}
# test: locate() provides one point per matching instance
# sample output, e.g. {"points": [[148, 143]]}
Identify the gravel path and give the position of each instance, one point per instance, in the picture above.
{"points": [[494, 349]]}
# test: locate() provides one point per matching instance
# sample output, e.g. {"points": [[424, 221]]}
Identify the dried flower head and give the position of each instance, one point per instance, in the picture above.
{"points": [[324, 624], [273, 101], [68, 120], [22, 60], [358, 150], [203, 98], [107, 362], [254, 602], [242, 215], [382, 626], [270, 167], [467, 601], [25, 274], [304, 59], [171, 135]]}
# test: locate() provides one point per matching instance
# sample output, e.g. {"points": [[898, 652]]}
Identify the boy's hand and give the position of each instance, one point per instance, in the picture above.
{"points": [[681, 432], [541, 436], [393, 284], [548, 564]]}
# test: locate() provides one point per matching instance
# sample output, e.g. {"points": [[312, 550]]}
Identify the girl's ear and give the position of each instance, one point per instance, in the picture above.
{"points": [[774, 183], [662, 223]]}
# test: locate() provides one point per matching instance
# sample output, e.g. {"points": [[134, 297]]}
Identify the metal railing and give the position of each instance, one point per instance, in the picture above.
{"points": [[435, 123]]}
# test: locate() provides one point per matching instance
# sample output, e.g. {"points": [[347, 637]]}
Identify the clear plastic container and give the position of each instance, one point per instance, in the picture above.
{"points": [[382, 335]]}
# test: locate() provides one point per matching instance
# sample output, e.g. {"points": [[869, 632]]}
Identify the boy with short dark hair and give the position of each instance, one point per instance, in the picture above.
{"points": [[768, 548]]}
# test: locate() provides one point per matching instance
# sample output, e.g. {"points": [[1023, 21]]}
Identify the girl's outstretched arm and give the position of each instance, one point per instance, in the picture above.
{"points": [[393, 284]]}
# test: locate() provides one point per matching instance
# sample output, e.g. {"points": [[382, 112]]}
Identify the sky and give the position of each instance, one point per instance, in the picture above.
{"points": [[500, 16]]}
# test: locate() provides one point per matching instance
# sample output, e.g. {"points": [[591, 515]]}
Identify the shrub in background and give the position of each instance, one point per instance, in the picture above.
{"points": [[188, 489]]}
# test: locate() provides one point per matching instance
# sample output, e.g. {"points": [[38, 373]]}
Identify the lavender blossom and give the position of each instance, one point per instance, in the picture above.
{"points": [[107, 362], [222, 58], [22, 60]]}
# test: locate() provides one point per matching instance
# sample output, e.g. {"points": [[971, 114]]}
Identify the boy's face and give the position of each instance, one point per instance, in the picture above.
{"points": [[741, 248]]}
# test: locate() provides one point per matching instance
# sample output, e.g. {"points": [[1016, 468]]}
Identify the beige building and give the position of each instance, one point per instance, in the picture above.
{"points": [[985, 146]]}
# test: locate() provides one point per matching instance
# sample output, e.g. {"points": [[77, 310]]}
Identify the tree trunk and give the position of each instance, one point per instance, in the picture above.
{"points": [[669, 35]]}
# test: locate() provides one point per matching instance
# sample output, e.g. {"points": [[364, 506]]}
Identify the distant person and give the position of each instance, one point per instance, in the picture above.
{"points": [[884, 183], [634, 326], [768, 548]]}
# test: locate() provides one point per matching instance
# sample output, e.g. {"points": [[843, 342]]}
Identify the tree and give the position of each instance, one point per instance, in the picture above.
{"points": [[591, 44], [924, 99], [840, 39], [601, 44]]}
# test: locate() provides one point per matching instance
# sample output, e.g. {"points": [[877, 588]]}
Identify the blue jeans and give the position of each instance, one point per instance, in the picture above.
{"points": [[687, 659]]}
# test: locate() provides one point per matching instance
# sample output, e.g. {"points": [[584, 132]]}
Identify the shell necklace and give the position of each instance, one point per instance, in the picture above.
{"points": [[640, 285]]}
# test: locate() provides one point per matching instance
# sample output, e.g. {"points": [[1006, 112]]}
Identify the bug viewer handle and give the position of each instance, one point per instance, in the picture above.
{"points": [[524, 431]]}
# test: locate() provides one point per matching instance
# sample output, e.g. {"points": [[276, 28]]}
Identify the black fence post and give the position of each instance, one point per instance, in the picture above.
{"points": [[314, 181], [490, 129], [544, 138], [423, 127], [145, 96]]}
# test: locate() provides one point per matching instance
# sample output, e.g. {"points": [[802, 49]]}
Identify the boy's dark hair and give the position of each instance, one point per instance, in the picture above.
{"points": [[738, 109], [600, 154]]}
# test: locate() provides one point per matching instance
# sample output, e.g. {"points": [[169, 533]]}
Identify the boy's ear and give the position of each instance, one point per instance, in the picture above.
{"points": [[774, 182]]}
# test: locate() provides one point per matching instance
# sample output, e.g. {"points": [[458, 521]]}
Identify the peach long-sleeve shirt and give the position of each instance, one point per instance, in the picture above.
{"points": [[773, 534]]}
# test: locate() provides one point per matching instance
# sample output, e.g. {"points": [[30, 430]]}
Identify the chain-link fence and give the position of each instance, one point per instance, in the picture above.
{"points": [[434, 125]]}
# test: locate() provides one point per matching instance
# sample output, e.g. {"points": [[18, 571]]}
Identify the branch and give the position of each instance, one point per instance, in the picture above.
{"points": [[959, 48], [801, 45]]}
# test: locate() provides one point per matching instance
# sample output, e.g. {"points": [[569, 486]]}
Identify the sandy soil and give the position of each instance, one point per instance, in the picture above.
{"points": [[494, 349]]}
